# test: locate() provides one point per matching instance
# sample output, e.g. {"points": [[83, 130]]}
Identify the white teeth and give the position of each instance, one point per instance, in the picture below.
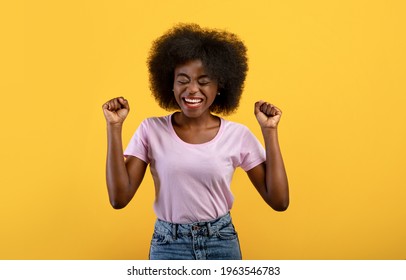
{"points": [[193, 100]]}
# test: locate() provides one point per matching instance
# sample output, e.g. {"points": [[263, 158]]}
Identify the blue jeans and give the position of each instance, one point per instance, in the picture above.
{"points": [[213, 240]]}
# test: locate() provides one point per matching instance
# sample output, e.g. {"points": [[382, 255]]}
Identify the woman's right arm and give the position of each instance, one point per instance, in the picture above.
{"points": [[123, 176]]}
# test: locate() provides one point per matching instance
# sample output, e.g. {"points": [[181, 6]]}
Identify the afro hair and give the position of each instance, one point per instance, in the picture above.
{"points": [[223, 56]]}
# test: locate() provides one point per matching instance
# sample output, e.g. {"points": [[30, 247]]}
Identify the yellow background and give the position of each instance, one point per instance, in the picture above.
{"points": [[335, 68]]}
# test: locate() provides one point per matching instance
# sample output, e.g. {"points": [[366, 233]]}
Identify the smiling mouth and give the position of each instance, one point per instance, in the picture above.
{"points": [[193, 101]]}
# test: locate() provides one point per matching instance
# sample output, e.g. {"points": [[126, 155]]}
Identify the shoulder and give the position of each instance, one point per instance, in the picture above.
{"points": [[231, 126], [156, 121], [239, 132]]}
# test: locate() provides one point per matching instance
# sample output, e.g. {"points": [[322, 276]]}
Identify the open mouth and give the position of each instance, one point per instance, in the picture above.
{"points": [[193, 102]]}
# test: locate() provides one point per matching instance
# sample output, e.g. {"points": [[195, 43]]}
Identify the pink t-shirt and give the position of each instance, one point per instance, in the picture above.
{"points": [[192, 181]]}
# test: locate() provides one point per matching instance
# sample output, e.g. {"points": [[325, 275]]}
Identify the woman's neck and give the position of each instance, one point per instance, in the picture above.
{"points": [[204, 121]]}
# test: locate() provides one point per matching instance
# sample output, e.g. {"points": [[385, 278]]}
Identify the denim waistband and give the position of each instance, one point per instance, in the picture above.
{"points": [[203, 228]]}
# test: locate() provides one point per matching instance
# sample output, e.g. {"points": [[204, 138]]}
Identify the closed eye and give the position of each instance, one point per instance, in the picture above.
{"points": [[205, 80], [182, 82]]}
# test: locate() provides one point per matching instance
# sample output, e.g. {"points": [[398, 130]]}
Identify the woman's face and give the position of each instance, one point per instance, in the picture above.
{"points": [[194, 89]]}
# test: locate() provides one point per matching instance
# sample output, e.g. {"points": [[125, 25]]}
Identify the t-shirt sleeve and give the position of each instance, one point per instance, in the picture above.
{"points": [[252, 152], [138, 145]]}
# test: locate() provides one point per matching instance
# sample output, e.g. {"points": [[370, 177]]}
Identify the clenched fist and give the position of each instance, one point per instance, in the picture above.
{"points": [[268, 115], [116, 110]]}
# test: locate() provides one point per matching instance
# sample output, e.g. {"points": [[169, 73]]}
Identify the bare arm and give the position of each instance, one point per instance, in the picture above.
{"points": [[270, 178], [123, 177]]}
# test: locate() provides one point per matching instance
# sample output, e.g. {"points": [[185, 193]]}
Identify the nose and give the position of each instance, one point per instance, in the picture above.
{"points": [[193, 87]]}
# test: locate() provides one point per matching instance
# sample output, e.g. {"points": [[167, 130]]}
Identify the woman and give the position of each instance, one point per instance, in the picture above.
{"points": [[192, 152]]}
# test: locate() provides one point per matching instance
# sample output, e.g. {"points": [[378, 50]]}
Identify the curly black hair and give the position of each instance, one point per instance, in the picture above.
{"points": [[223, 56]]}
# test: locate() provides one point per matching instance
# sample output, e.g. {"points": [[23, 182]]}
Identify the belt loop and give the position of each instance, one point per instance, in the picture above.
{"points": [[174, 231], [209, 229]]}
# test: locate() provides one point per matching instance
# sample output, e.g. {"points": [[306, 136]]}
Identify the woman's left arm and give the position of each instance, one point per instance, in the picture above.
{"points": [[269, 178]]}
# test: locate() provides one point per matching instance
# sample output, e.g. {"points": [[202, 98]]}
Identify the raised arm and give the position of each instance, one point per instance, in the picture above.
{"points": [[270, 178], [123, 176]]}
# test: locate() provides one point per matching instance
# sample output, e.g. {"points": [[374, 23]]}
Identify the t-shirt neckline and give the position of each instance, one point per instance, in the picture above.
{"points": [[177, 138]]}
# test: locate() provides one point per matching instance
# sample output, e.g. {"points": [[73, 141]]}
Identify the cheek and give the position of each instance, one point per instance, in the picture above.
{"points": [[179, 88], [213, 93], [177, 92]]}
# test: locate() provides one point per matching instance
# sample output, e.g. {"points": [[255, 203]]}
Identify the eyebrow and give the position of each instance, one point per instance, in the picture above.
{"points": [[187, 76]]}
